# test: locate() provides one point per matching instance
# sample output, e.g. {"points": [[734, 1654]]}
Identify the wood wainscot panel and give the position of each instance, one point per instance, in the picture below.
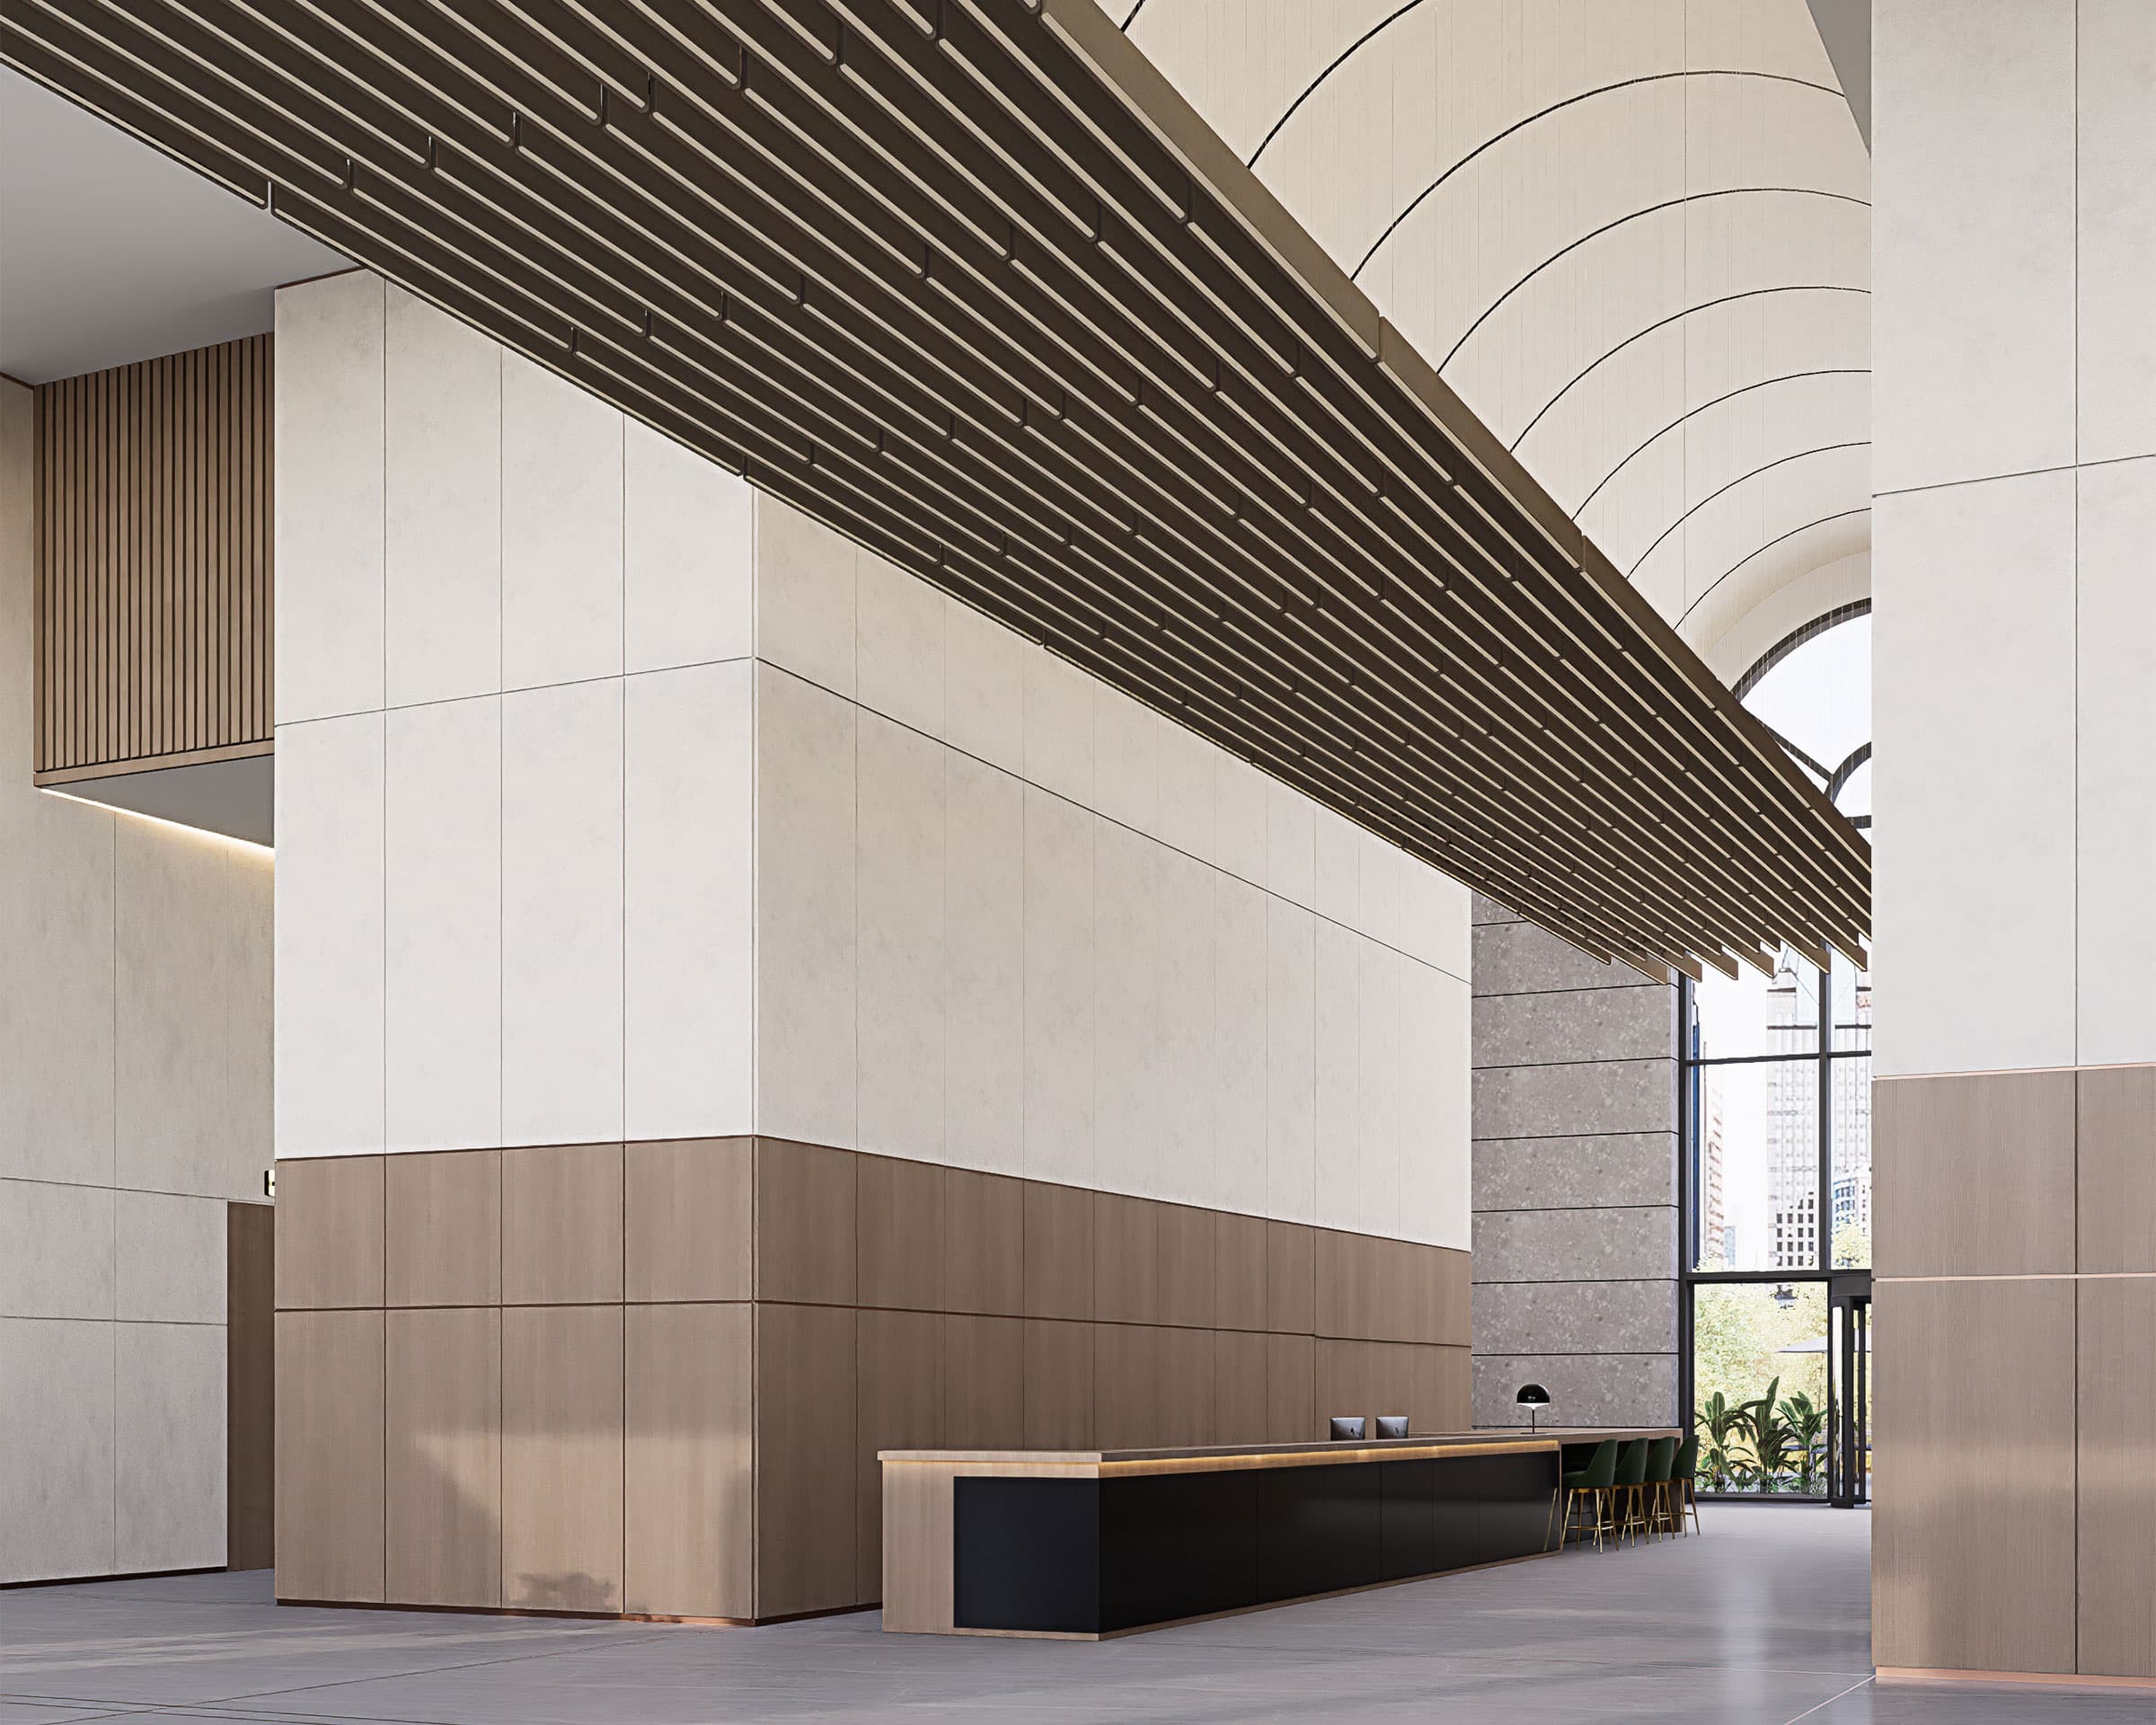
{"points": [[984, 1243], [561, 1457], [1058, 1384], [900, 1379], [1973, 1174], [442, 1452], [1442, 1389], [1127, 1413], [1126, 1258], [1453, 1321], [807, 1243], [1059, 1251], [1188, 1274], [1347, 1274], [1291, 1401], [1348, 1381], [687, 1220], [1290, 1279], [561, 1224], [2116, 1500], [901, 1210], [1241, 1284], [328, 1455], [1397, 1369], [1188, 1387], [250, 1386], [2113, 1170], [688, 1493], [807, 1489], [442, 1228], [1974, 1417], [1239, 1387], [329, 1231], [985, 1379]]}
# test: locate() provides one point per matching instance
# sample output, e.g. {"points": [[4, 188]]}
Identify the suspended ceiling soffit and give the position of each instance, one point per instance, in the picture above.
{"points": [[111, 252], [973, 283]]}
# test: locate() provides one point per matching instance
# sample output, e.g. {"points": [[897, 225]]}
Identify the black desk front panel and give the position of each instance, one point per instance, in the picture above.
{"points": [[1093, 1556], [1026, 1553]]}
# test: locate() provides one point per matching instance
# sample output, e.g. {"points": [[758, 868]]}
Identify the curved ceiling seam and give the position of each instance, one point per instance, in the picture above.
{"points": [[1339, 59], [1676, 317], [1496, 138], [1691, 412], [1707, 592], [1633, 216], [1719, 490]]}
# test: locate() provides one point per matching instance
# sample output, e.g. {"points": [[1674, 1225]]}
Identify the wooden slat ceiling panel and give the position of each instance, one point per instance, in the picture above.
{"points": [[967, 280]]}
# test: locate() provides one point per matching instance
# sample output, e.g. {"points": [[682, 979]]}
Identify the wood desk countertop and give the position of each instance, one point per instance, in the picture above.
{"points": [[1485, 1440]]}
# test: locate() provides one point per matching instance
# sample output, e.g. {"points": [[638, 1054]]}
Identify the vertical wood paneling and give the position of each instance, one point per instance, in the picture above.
{"points": [[154, 590], [250, 1385]]}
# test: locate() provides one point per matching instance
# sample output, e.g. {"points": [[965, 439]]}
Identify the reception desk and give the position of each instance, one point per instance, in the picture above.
{"points": [[1081, 1544]]}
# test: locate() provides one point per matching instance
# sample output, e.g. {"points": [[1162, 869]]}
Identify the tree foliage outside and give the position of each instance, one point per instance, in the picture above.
{"points": [[1759, 1365], [1853, 1246]]}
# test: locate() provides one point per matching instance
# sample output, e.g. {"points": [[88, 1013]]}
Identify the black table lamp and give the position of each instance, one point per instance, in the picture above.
{"points": [[1533, 1397]]}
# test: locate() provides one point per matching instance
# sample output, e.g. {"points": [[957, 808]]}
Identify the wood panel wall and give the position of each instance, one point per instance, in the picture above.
{"points": [[2015, 1278], [652, 1378], [153, 532], [250, 1385]]}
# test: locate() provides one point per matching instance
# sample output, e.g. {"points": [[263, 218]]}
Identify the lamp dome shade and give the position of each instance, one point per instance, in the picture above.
{"points": [[1531, 1395]]}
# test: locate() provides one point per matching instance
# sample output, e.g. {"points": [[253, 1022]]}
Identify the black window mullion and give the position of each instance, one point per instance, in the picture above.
{"points": [[1823, 1252]]}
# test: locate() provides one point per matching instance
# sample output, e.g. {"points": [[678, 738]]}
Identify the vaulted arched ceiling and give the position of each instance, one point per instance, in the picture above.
{"points": [[1634, 236]]}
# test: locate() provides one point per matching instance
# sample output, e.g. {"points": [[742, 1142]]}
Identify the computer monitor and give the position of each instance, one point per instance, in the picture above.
{"points": [[1391, 1425], [1346, 1428]]}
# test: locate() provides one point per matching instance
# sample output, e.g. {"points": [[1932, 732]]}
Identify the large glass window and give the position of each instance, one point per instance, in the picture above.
{"points": [[1759, 1373], [1777, 1137]]}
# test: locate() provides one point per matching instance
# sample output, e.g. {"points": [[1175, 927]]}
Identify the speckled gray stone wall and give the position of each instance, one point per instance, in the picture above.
{"points": [[1575, 1181]]}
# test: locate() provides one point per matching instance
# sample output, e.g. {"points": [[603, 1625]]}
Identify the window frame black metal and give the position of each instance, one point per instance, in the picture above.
{"points": [[1841, 1284]]}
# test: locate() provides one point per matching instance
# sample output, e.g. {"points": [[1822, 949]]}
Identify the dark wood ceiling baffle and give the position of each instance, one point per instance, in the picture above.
{"points": [[967, 279]]}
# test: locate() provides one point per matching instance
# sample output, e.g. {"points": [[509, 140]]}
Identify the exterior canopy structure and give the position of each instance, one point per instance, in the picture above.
{"points": [[969, 280]]}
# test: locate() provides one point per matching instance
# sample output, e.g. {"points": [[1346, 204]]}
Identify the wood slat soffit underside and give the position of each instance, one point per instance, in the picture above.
{"points": [[969, 281]]}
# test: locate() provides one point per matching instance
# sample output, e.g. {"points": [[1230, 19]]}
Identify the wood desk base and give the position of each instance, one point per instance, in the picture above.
{"points": [[923, 1531]]}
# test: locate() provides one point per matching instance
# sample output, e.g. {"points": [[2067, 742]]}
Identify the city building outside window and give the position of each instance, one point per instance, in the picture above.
{"points": [[1776, 1146]]}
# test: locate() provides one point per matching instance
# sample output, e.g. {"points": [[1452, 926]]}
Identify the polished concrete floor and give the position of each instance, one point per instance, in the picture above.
{"points": [[1763, 1618]]}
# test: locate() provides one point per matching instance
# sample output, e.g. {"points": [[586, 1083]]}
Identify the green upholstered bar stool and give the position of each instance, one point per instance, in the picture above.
{"points": [[1683, 1488], [1629, 1488], [1661, 1463], [1593, 1482]]}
